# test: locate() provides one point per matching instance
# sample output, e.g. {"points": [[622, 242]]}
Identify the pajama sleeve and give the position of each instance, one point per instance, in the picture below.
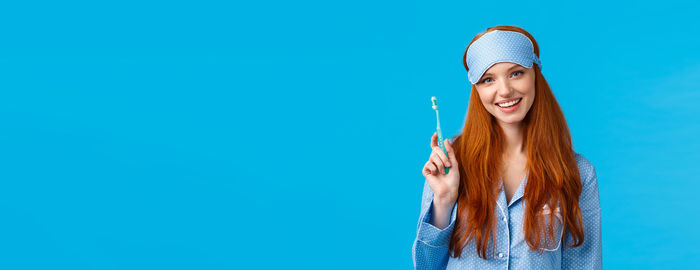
{"points": [[589, 254], [430, 248]]}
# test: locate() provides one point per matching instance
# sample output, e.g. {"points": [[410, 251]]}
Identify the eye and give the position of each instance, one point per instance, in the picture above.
{"points": [[484, 80], [519, 72]]}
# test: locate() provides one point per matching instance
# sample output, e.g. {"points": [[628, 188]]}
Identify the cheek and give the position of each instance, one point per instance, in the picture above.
{"points": [[485, 103], [527, 88], [530, 99], [485, 97]]}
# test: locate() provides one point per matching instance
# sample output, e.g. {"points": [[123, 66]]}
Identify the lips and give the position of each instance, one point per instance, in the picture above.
{"points": [[512, 109], [509, 103]]}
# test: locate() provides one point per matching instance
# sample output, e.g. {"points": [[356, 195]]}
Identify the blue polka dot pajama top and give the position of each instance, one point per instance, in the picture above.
{"points": [[430, 248]]}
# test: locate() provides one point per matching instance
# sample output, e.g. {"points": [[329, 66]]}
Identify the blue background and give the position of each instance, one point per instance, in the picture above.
{"points": [[291, 134]]}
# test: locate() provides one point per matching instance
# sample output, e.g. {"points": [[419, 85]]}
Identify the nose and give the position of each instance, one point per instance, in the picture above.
{"points": [[504, 89]]}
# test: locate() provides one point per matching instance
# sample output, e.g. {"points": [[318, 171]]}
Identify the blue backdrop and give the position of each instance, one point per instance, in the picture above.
{"points": [[291, 134]]}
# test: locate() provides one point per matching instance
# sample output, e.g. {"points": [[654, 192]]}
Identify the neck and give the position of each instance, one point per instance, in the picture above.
{"points": [[514, 139]]}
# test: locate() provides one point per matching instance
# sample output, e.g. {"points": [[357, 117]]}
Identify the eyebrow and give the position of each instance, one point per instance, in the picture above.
{"points": [[516, 66]]}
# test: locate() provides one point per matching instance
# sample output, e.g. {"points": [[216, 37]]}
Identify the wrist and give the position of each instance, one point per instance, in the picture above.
{"points": [[444, 202]]}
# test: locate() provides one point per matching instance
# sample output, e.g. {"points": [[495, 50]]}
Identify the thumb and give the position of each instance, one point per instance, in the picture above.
{"points": [[450, 152]]}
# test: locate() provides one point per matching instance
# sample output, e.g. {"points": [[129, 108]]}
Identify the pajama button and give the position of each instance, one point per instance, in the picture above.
{"points": [[504, 219], [500, 255]]}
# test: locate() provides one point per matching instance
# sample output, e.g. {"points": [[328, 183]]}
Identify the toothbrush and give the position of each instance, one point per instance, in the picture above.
{"points": [[441, 142]]}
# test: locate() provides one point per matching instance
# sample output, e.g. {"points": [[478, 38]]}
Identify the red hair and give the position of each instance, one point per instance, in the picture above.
{"points": [[553, 173]]}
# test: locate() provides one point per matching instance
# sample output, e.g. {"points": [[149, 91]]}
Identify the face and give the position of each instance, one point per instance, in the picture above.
{"points": [[505, 82]]}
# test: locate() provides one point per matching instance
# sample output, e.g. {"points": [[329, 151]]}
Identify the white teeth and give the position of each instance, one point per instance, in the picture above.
{"points": [[507, 104]]}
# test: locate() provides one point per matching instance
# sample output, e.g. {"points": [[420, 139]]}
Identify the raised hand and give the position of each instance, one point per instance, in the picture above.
{"points": [[445, 186]]}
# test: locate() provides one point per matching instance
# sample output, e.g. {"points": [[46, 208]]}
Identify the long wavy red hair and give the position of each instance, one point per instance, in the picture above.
{"points": [[553, 174]]}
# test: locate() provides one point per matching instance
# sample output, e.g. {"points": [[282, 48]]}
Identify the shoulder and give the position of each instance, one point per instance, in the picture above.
{"points": [[589, 199], [585, 168]]}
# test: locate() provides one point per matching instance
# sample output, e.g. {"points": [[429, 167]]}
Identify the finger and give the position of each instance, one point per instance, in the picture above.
{"points": [[429, 177], [431, 167], [450, 152], [425, 171], [438, 163], [434, 140], [442, 156], [436, 168]]}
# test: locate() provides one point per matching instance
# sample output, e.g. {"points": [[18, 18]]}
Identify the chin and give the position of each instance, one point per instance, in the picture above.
{"points": [[511, 119]]}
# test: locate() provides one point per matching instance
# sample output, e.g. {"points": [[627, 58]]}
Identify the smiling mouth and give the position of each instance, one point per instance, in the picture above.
{"points": [[509, 104]]}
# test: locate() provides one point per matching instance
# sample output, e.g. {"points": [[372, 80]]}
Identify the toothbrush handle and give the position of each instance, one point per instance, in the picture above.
{"points": [[441, 143]]}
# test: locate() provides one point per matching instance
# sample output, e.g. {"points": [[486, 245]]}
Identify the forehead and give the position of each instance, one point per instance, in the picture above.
{"points": [[501, 68]]}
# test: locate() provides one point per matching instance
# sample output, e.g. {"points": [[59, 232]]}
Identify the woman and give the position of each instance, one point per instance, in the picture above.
{"points": [[515, 163]]}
